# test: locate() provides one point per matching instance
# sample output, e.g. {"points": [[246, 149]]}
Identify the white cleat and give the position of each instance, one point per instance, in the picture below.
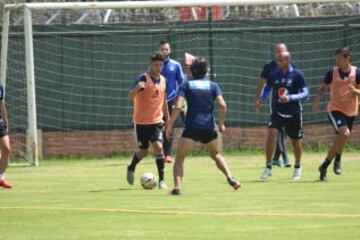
{"points": [[162, 185], [297, 174], [266, 174]]}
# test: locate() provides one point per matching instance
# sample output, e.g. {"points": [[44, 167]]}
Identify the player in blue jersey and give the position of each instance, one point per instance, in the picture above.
{"points": [[201, 95], [4, 141], [267, 69], [173, 73], [289, 88]]}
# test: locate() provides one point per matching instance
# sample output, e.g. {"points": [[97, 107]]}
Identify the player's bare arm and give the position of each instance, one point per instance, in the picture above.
{"points": [[259, 87], [354, 89], [319, 95], [3, 114], [222, 111], [132, 93], [174, 115]]}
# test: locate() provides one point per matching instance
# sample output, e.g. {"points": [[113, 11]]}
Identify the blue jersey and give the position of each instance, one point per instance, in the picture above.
{"points": [[200, 96], [174, 75], [294, 82], [271, 66]]}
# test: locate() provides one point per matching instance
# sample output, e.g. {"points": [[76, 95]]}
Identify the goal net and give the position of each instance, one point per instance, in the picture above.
{"points": [[67, 67]]}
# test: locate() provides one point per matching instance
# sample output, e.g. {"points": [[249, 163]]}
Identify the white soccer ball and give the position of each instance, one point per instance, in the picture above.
{"points": [[148, 181]]}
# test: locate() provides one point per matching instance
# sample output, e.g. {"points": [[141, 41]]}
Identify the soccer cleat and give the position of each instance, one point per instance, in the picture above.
{"points": [[337, 168], [162, 185], [234, 183], [322, 171], [168, 159], [130, 176], [266, 174], [297, 173], [4, 183], [175, 192]]}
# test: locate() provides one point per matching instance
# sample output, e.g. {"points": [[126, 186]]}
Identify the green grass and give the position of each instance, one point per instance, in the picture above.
{"points": [[91, 200]]}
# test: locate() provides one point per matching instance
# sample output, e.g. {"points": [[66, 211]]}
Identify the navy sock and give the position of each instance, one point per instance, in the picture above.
{"points": [[160, 166], [338, 158], [134, 162], [325, 164], [297, 166]]}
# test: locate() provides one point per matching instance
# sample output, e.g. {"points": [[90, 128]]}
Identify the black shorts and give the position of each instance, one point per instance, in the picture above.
{"points": [[200, 135], [146, 133], [338, 120], [293, 125], [3, 129]]}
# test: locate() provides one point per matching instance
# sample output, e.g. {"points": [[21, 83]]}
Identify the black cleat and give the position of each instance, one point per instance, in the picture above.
{"points": [[337, 168], [234, 183], [175, 192], [322, 171]]}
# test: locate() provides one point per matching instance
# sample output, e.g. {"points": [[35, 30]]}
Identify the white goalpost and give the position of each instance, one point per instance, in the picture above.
{"points": [[69, 109]]}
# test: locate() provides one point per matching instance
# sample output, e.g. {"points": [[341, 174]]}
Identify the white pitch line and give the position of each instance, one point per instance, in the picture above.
{"points": [[189, 213]]}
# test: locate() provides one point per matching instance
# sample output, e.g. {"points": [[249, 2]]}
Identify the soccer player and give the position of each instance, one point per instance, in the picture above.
{"points": [[4, 141], [173, 73], [150, 108], [200, 94], [267, 69], [344, 83], [288, 87]]}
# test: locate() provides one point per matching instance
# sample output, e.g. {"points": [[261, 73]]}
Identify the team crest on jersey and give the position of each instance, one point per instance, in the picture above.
{"points": [[289, 82]]}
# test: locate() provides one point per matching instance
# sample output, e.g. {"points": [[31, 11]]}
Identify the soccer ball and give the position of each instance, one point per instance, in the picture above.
{"points": [[148, 181]]}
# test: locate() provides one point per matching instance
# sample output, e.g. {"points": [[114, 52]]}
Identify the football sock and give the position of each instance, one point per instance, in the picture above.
{"points": [[134, 162], [2, 176], [325, 164], [268, 165], [297, 166], [160, 166], [338, 158]]}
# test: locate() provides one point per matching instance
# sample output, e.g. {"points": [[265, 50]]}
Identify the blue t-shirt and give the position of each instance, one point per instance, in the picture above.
{"points": [[1, 92], [174, 75], [200, 96], [329, 75], [294, 81], [271, 66]]}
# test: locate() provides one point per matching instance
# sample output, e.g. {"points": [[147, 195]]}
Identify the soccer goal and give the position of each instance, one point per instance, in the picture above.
{"points": [[67, 67]]}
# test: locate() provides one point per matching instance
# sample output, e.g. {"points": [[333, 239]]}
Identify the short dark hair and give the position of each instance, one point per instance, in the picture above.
{"points": [[163, 42], [344, 51], [156, 56], [199, 68]]}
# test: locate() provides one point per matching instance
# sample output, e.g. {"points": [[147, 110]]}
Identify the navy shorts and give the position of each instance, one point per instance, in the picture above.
{"points": [[292, 125], [200, 135], [146, 133], [338, 120], [3, 129]]}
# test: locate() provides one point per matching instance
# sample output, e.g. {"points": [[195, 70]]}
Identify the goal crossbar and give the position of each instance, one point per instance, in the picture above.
{"points": [[160, 4]]}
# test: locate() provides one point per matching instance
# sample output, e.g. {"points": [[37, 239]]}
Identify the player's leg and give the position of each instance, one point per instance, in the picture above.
{"points": [[294, 129], [276, 157], [282, 145], [142, 137], [271, 136], [340, 124], [169, 142], [184, 147], [4, 161], [156, 138], [221, 163]]}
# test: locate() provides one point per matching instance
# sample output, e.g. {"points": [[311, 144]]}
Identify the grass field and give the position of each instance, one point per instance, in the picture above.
{"points": [[89, 199]]}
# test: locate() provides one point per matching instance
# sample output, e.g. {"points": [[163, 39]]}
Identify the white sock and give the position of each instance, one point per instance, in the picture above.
{"points": [[2, 176]]}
